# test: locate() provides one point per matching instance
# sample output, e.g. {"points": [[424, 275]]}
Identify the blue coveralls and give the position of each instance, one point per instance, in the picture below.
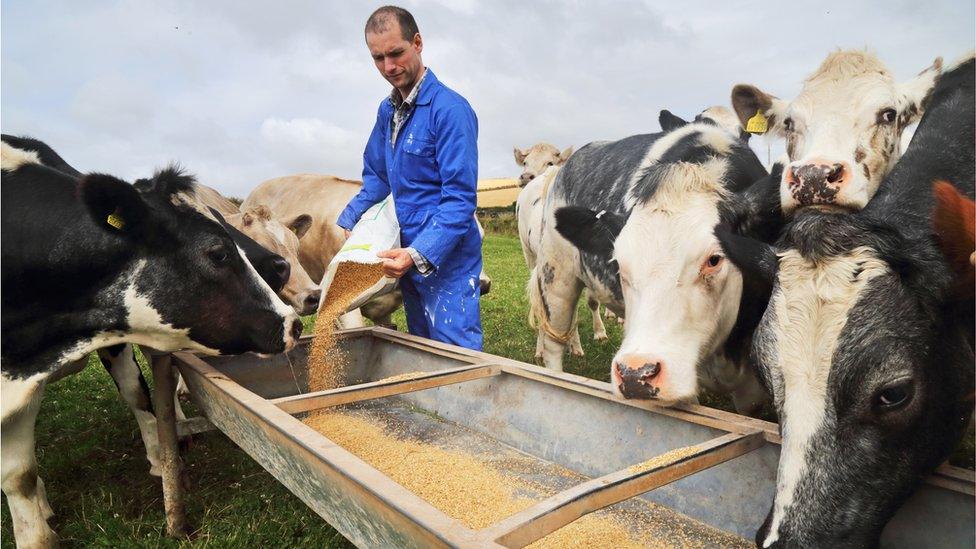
{"points": [[432, 171]]}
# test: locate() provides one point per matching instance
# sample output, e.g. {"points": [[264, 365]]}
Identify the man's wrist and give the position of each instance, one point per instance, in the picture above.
{"points": [[419, 261]]}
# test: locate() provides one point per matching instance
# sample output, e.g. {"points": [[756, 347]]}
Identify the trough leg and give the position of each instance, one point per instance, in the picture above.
{"points": [[164, 391]]}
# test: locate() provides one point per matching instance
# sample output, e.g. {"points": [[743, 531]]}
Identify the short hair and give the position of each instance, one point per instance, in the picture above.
{"points": [[380, 18]]}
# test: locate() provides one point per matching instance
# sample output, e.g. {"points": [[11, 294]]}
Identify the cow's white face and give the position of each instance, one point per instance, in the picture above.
{"points": [[680, 294], [538, 159], [842, 131]]}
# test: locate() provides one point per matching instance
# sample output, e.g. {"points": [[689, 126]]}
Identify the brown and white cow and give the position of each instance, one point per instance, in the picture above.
{"points": [[323, 197], [540, 164], [280, 236], [842, 131]]}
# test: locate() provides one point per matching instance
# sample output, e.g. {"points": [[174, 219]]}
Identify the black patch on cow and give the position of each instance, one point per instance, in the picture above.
{"points": [[591, 232]]}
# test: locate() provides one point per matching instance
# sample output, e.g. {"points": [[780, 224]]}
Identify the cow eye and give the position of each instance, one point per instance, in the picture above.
{"points": [[549, 164], [894, 396], [218, 255], [887, 116], [714, 260]]}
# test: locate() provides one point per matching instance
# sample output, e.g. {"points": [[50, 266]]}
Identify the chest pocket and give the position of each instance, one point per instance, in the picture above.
{"points": [[419, 163]]}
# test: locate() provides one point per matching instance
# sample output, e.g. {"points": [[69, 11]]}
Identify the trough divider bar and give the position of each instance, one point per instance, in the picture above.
{"points": [[741, 424], [380, 389], [563, 508]]}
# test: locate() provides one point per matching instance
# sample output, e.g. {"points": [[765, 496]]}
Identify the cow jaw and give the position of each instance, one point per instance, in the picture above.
{"points": [[676, 318]]}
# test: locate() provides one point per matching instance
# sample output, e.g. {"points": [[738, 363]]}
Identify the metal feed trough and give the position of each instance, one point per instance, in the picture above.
{"points": [[493, 406]]}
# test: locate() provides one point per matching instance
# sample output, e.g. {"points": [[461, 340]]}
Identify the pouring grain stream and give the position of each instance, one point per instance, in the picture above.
{"points": [[326, 361]]}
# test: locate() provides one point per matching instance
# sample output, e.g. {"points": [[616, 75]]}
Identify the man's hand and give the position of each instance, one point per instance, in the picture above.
{"points": [[397, 262]]}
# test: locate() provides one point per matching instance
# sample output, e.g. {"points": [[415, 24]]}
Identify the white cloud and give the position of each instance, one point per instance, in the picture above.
{"points": [[239, 93]]}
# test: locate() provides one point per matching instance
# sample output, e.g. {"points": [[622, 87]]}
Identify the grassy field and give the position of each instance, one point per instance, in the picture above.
{"points": [[97, 478]]}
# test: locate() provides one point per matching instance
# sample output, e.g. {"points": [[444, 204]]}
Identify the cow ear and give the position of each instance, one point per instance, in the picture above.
{"points": [[519, 156], [954, 221], [913, 94], [114, 205], [747, 100], [756, 210], [669, 121], [591, 232], [300, 225], [564, 156], [755, 259]]}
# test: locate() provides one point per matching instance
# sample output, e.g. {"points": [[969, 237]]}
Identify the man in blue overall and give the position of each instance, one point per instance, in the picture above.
{"points": [[424, 149]]}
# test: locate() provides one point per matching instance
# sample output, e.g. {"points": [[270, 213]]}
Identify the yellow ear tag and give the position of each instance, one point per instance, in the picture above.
{"points": [[116, 221], [757, 124]]}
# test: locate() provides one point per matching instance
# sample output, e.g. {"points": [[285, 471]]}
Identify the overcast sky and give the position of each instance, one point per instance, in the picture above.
{"points": [[240, 92]]}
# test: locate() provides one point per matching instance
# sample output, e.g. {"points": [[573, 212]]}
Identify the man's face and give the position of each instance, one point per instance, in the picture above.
{"points": [[398, 60]]}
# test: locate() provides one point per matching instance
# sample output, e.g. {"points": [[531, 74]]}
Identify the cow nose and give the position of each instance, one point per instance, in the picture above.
{"points": [[485, 286], [296, 328], [311, 302], [817, 181], [525, 178], [637, 376]]}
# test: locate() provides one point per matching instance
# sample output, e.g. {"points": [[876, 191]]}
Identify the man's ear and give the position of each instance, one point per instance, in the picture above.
{"points": [[913, 94], [114, 205], [519, 156], [747, 100], [591, 232], [954, 221], [669, 121], [300, 225]]}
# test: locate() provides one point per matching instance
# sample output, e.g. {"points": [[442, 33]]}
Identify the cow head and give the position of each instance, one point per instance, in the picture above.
{"points": [[866, 353], [537, 159], [842, 131], [282, 237], [681, 295], [187, 284]]}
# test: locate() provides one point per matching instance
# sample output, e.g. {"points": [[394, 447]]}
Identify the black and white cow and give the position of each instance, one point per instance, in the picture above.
{"points": [[93, 263], [865, 343], [632, 221], [120, 360], [842, 130]]}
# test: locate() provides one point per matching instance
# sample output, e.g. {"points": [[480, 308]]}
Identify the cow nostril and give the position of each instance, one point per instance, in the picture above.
{"points": [[649, 371], [836, 173], [312, 300]]}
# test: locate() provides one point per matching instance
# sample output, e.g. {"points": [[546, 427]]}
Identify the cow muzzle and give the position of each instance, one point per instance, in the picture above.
{"points": [[816, 182], [638, 376]]}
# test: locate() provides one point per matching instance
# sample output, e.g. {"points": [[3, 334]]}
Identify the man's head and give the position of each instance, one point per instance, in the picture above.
{"points": [[395, 45]]}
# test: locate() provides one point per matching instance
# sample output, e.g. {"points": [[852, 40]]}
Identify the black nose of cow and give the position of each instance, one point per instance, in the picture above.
{"points": [[296, 328], [636, 380], [311, 302], [817, 182]]}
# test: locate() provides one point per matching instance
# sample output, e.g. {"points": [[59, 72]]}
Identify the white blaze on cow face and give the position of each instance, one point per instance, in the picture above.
{"points": [[810, 307], [680, 294], [843, 130], [538, 159]]}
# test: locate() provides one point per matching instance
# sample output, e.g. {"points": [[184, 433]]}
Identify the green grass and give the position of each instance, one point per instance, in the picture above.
{"points": [[93, 462]]}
